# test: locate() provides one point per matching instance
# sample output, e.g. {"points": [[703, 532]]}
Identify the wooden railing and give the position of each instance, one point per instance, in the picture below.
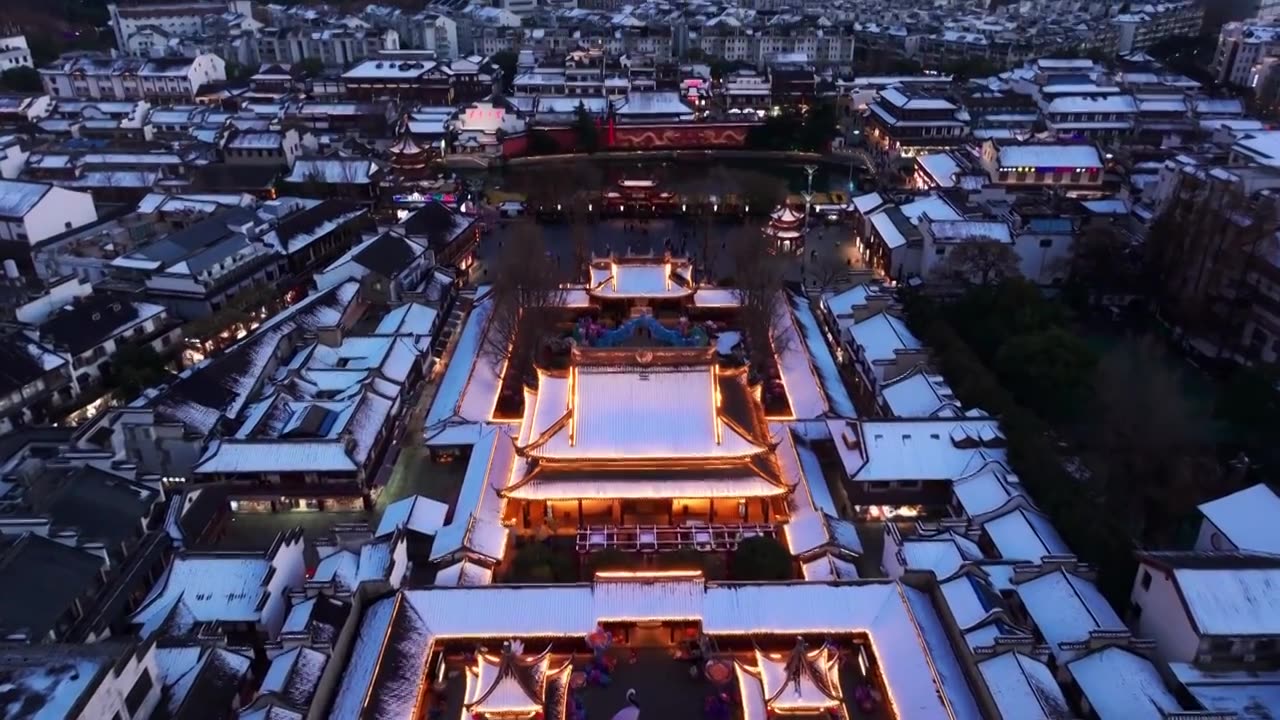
{"points": [[667, 538]]}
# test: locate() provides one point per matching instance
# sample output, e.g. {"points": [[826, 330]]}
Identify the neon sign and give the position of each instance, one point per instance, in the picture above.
{"points": [[417, 197]]}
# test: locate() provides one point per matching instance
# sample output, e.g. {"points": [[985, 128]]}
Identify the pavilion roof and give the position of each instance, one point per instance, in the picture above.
{"points": [[643, 411], [509, 683], [785, 215], [641, 277], [731, 481], [405, 145], [802, 680]]}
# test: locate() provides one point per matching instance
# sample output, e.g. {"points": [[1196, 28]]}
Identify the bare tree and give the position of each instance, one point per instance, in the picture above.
{"points": [[985, 259], [1200, 249], [1104, 260], [711, 245], [527, 295], [313, 182], [825, 271], [760, 286], [1151, 455], [580, 233]]}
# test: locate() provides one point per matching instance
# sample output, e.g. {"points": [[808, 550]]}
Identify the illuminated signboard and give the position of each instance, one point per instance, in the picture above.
{"points": [[417, 197]]}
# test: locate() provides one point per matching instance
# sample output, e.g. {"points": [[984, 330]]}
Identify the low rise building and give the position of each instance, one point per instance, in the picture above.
{"points": [[14, 52], [907, 121], [232, 599], [35, 380], [104, 78], [1145, 25], [1241, 47], [32, 212], [106, 680], [1043, 165]]}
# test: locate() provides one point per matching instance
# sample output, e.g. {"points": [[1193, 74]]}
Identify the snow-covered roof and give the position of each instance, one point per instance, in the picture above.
{"points": [[935, 449], [940, 167], [464, 572], [17, 198], [640, 279], [1093, 104], [802, 381], [628, 412], [1121, 684], [1054, 156], [842, 304], [942, 554], [341, 568], [1023, 687], [1247, 693], [416, 513], [919, 393], [959, 231], [224, 587], [882, 336], [231, 457], [469, 386], [49, 682], [1245, 518], [716, 297], [220, 387], [888, 231], [388, 69], [294, 676], [932, 206], [476, 527], [790, 688], [900, 99], [919, 667], [1218, 106], [656, 103], [984, 491], [1066, 608], [1107, 206], [1231, 601], [411, 318], [332, 170], [1024, 534], [823, 362], [868, 202]]}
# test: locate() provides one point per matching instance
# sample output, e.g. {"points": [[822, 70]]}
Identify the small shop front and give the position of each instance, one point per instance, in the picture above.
{"points": [[250, 502]]}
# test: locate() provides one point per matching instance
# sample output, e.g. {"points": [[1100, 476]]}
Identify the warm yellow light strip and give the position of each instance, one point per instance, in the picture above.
{"points": [[573, 403], [616, 574], [381, 650], [501, 372], [715, 404]]}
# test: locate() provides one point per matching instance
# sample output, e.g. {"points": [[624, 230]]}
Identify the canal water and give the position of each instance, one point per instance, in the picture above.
{"points": [[691, 174]]}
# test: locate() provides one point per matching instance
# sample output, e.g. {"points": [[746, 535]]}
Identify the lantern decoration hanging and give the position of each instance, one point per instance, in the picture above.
{"points": [[718, 671], [600, 639]]}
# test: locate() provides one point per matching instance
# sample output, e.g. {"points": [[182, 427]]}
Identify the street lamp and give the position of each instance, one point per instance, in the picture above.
{"points": [[810, 170]]}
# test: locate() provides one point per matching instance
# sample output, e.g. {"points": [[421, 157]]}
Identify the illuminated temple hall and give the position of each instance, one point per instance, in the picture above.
{"points": [[650, 434], [600, 446], [642, 435], [802, 650]]}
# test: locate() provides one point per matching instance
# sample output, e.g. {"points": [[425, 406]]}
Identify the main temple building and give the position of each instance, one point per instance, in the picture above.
{"points": [[616, 469]]}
